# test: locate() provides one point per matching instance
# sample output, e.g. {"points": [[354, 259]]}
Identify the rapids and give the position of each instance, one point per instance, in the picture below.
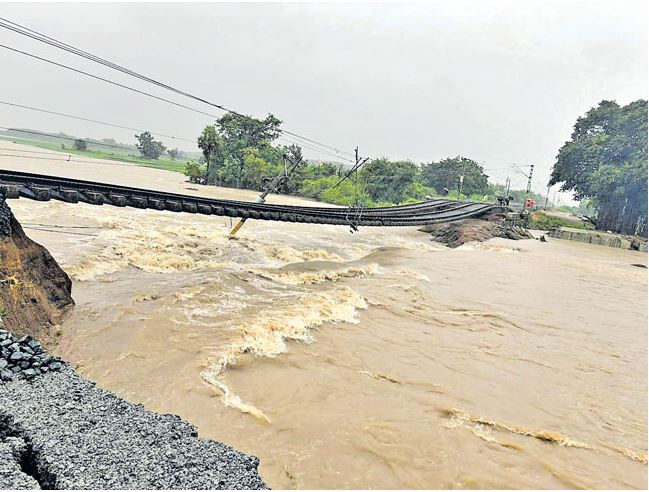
{"points": [[372, 360]]}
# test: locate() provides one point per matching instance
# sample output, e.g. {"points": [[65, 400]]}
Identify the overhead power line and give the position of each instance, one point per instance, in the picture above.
{"points": [[143, 92], [31, 33], [114, 125]]}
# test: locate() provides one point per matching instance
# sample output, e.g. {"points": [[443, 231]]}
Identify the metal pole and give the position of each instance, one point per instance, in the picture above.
{"points": [[529, 185], [274, 185], [547, 195]]}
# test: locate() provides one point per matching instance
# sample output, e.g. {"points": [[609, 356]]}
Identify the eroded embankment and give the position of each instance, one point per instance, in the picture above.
{"points": [[454, 234], [34, 290]]}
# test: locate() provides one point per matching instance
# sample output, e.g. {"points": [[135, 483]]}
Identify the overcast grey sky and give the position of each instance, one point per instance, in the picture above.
{"points": [[500, 81]]}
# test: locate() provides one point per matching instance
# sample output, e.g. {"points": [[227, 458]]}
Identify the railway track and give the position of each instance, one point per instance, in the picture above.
{"points": [[15, 184]]}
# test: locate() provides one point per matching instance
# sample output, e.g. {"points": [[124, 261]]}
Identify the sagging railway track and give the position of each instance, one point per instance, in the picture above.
{"points": [[15, 184]]}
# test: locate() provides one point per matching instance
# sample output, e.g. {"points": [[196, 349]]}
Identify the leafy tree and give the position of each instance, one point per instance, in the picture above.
{"points": [[80, 144], [389, 181], [446, 174], [211, 143], [606, 161], [239, 132], [173, 153], [149, 148]]}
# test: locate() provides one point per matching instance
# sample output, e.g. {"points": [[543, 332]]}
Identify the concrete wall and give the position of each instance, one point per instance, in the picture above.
{"points": [[598, 237]]}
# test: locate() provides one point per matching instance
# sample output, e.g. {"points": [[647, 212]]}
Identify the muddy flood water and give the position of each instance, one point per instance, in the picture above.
{"points": [[373, 360]]}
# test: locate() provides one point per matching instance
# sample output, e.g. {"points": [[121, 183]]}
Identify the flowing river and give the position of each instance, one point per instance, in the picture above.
{"points": [[370, 360]]}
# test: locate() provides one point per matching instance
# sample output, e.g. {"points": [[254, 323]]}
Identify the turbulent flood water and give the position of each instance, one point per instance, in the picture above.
{"points": [[372, 360]]}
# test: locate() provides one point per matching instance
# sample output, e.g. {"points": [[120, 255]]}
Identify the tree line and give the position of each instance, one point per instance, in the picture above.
{"points": [[239, 151], [604, 164]]}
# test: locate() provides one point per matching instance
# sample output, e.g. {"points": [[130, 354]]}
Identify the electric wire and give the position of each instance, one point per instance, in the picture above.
{"points": [[115, 125], [31, 33]]}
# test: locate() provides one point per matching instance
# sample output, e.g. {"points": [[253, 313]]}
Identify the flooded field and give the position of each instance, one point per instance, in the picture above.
{"points": [[372, 360]]}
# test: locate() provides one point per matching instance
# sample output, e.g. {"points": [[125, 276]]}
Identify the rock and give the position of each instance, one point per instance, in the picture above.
{"points": [[55, 366], [17, 355], [29, 373], [6, 375], [3, 363], [23, 364], [6, 342]]}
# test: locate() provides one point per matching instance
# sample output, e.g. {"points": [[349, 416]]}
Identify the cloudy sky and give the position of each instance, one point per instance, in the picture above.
{"points": [[500, 82]]}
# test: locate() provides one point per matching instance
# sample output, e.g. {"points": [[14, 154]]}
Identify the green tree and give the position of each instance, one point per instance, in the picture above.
{"points": [[239, 132], [606, 161], [211, 143], [195, 172], [173, 153], [446, 174], [389, 181], [148, 147], [80, 144]]}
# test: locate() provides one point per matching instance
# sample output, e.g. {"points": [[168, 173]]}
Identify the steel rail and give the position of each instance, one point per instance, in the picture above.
{"points": [[15, 184]]}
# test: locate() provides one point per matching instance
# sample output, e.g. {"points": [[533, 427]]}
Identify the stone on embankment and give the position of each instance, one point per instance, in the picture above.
{"points": [[83, 437], [23, 357]]}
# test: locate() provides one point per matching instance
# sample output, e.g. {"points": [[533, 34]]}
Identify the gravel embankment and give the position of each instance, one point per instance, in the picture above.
{"points": [[60, 431]]}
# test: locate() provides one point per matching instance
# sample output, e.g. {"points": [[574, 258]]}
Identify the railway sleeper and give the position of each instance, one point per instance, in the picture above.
{"points": [[70, 196], [189, 207], [92, 197], [10, 191], [117, 200], [156, 203], [173, 206], [137, 202], [40, 193], [204, 208]]}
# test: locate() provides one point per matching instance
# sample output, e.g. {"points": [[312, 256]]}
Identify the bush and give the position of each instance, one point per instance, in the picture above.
{"points": [[195, 172]]}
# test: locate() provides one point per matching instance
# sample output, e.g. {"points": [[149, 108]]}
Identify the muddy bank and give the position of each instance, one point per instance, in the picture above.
{"points": [[454, 234], [59, 431], [34, 290]]}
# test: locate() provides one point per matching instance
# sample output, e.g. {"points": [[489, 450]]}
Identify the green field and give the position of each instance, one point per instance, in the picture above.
{"points": [[116, 155]]}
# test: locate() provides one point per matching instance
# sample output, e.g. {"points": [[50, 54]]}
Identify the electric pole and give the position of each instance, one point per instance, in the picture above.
{"points": [[529, 185], [275, 185]]}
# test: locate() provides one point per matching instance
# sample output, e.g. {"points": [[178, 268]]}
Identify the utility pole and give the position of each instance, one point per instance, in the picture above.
{"points": [[508, 182], [529, 184], [461, 182], [274, 185], [547, 195]]}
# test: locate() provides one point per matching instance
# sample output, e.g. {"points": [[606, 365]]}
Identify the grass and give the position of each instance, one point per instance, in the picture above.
{"points": [[165, 164], [541, 221]]}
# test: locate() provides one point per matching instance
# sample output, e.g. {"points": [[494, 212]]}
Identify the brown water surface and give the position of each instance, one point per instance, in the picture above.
{"points": [[372, 360]]}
